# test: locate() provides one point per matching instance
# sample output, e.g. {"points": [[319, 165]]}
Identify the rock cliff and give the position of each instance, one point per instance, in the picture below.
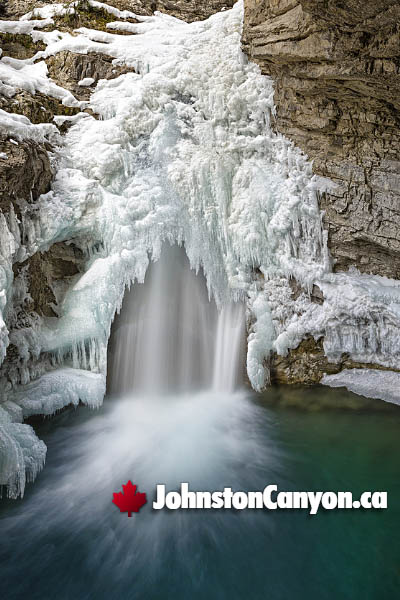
{"points": [[336, 67]]}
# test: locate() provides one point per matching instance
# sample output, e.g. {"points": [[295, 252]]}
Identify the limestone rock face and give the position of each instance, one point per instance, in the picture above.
{"points": [[25, 172], [38, 107], [19, 45], [45, 276], [192, 10], [68, 69], [307, 364], [337, 72], [44, 270], [336, 67]]}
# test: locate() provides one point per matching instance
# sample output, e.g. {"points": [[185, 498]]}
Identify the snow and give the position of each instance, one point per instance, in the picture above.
{"points": [[182, 152], [25, 27], [25, 75], [49, 11], [120, 14], [372, 383], [86, 81], [23, 129], [60, 119]]}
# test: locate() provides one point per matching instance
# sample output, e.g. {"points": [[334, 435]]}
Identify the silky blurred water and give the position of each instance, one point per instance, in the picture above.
{"points": [[170, 337]]}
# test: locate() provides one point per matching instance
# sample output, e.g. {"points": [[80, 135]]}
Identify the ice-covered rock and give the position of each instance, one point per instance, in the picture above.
{"points": [[184, 152], [22, 454], [56, 389], [372, 383]]}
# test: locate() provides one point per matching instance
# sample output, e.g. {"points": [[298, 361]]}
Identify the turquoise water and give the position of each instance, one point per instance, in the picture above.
{"points": [[66, 540]]}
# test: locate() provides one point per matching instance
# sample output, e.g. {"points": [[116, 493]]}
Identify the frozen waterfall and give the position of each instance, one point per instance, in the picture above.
{"points": [[182, 152]]}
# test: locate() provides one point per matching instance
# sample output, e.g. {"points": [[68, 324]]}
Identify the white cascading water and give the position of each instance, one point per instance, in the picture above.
{"points": [[229, 347], [171, 337]]}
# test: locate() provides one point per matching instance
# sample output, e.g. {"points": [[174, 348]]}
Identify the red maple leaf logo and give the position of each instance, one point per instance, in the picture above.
{"points": [[129, 500]]}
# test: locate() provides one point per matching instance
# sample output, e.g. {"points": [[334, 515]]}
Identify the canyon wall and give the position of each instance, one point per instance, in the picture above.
{"points": [[336, 67]]}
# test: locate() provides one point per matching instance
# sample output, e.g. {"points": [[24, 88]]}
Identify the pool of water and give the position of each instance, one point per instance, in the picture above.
{"points": [[66, 540]]}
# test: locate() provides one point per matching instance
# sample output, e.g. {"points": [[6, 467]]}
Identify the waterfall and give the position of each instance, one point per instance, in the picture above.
{"points": [[170, 337], [229, 347]]}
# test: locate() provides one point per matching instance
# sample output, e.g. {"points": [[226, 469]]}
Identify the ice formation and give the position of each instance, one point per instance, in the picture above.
{"points": [[59, 388], [182, 152], [22, 454], [372, 383]]}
